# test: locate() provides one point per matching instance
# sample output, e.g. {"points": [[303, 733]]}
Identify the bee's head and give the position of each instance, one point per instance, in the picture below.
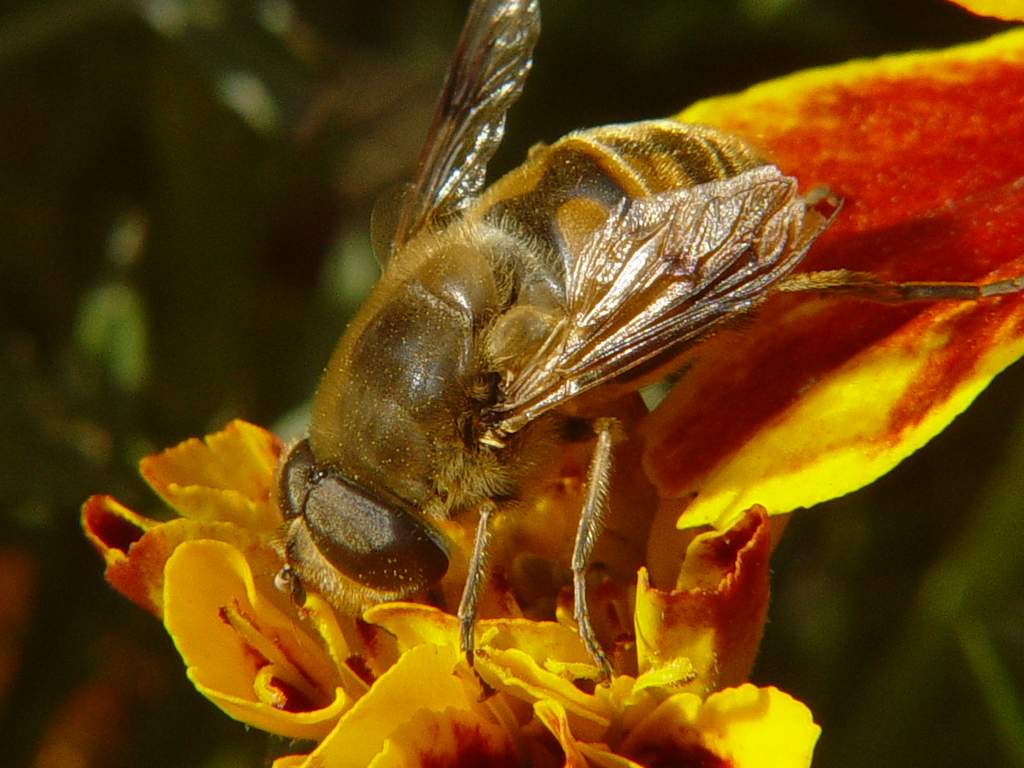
{"points": [[353, 549]]}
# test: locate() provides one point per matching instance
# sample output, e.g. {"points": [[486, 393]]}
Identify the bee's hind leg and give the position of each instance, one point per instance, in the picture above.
{"points": [[595, 504], [862, 285]]}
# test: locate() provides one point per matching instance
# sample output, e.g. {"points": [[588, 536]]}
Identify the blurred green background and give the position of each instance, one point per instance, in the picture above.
{"points": [[185, 188]]}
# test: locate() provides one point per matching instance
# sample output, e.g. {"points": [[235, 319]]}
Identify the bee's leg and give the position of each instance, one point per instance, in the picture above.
{"points": [[866, 286], [595, 504], [475, 580]]}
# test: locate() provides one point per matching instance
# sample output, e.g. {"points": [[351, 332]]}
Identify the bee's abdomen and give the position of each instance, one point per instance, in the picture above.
{"points": [[564, 189], [659, 155]]}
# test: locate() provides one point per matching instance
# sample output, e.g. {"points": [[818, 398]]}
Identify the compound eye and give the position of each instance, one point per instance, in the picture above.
{"points": [[381, 546], [294, 479]]}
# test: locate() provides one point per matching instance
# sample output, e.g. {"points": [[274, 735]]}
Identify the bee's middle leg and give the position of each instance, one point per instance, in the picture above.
{"points": [[595, 504]]}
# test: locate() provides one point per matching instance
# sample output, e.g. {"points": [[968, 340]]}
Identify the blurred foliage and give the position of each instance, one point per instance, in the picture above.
{"points": [[185, 188]]}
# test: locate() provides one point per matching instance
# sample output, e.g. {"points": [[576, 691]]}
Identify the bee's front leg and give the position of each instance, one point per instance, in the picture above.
{"points": [[475, 580]]}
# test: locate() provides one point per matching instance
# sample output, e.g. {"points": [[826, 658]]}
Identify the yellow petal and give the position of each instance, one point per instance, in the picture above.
{"points": [[452, 737], [421, 680], [356, 655], [249, 657], [546, 642], [744, 727], [527, 660], [227, 476], [552, 714], [1009, 10], [860, 422], [577, 754], [600, 756], [413, 624], [759, 727], [521, 677], [705, 632]]}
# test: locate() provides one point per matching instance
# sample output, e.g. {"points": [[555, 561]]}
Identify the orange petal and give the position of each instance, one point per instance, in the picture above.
{"points": [[900, 138], [112, 529], [86, 728], [19, 573], [820, 397], [705, 632], [1009, 10], [135, 548], [243, 652], [227, 476]]}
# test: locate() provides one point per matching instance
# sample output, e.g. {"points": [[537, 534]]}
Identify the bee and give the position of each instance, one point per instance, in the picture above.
{"points": [[507, 319]]}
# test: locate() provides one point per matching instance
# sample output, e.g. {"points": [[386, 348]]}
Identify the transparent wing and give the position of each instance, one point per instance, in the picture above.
{"points": [[490, 65], [661, 272]]}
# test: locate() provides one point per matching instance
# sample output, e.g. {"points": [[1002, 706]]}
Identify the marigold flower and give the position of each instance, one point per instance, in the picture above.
{"points": [[391, 687], [816, 399]]}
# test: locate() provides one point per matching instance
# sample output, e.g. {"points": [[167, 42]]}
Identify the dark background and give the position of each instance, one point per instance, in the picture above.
{"points": [[185, 188]]}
